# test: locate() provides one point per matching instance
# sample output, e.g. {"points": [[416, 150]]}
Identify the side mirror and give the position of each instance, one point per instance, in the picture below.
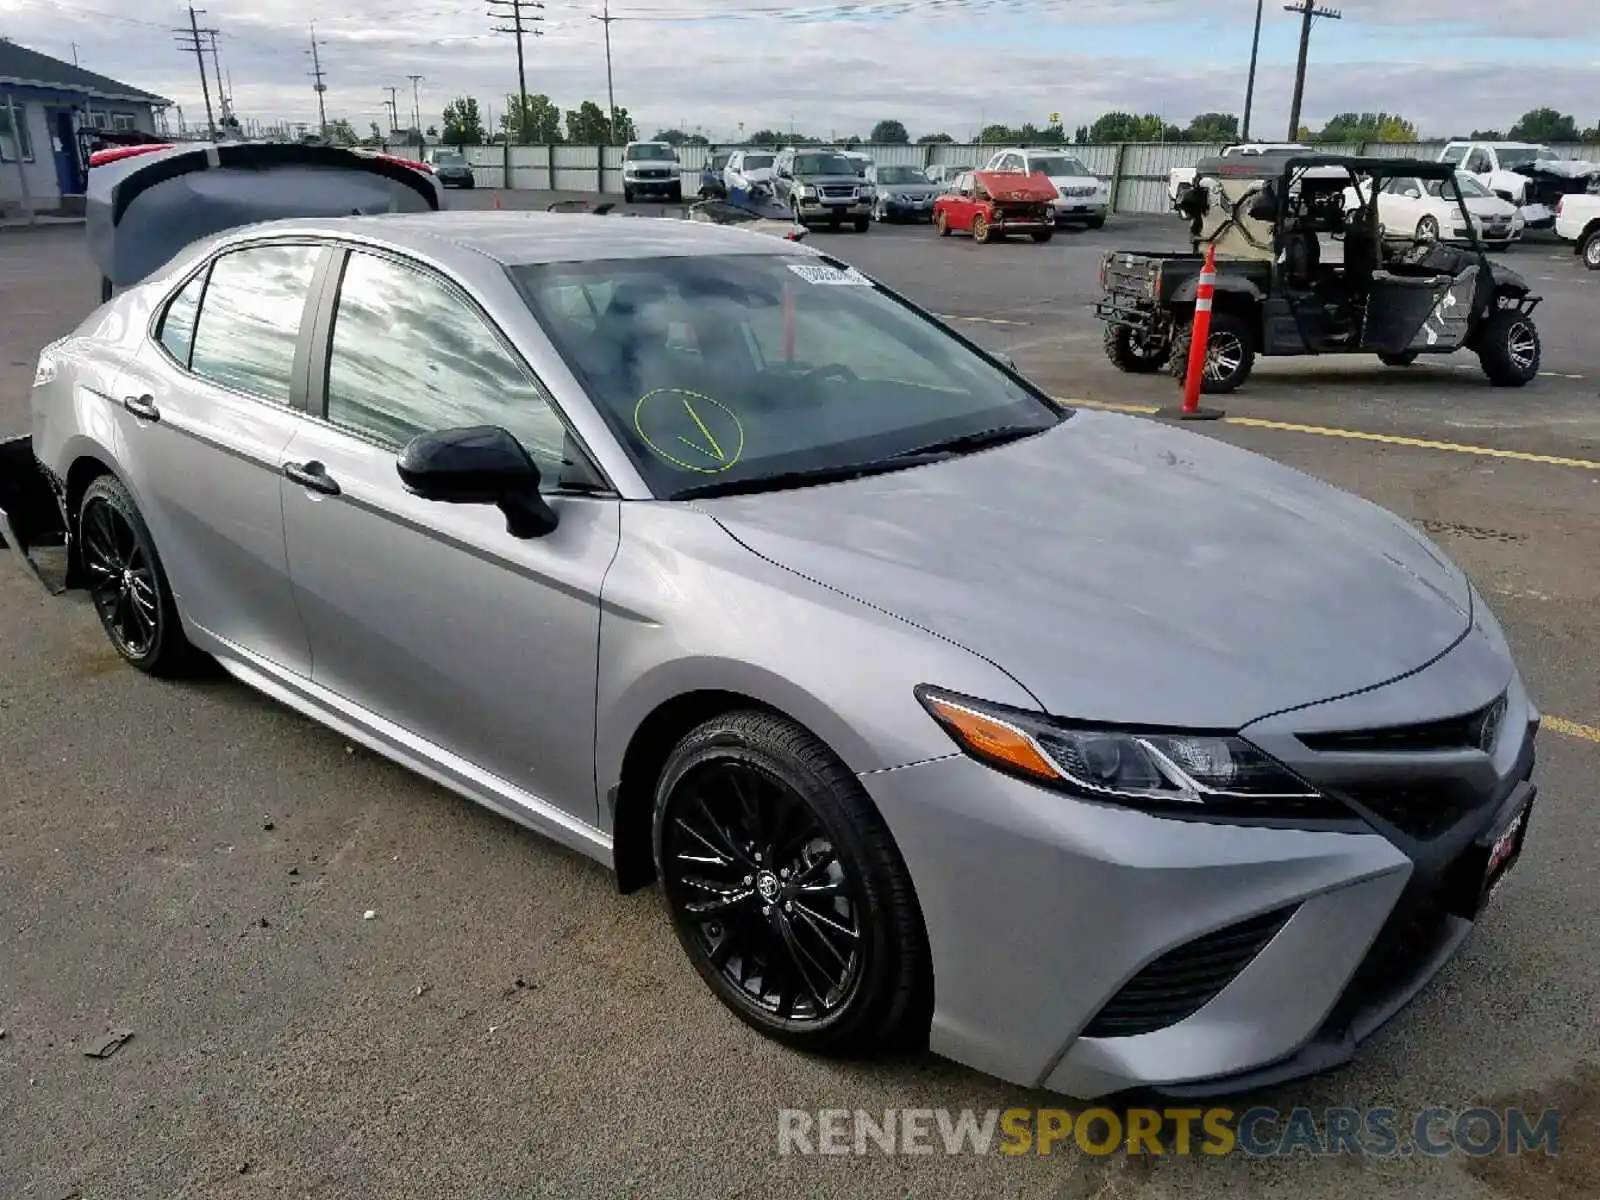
{"points": [[482, 464]]}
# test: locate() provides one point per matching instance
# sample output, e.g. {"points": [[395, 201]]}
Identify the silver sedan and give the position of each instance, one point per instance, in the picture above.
{"points": [[1094, 752]]}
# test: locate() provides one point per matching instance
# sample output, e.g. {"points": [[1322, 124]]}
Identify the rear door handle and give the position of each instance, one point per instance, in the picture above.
{"points": [[143, 407], [312, 475]]}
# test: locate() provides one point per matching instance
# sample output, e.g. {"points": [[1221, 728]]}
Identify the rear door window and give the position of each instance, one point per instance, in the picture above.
{"points": [[249, 325], [177, 323]]}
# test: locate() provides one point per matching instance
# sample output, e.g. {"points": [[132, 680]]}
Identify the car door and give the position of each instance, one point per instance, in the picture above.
{"points": [[429, 615], [732, 172], [208, 406], [963, 203], [1400, 206]]}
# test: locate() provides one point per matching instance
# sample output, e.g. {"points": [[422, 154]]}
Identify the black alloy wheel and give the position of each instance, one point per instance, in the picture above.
{"points": [[126, 582], [784, 887]]}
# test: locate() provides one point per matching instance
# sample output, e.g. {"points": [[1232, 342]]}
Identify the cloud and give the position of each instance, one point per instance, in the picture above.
{"points": [[838, 66]]}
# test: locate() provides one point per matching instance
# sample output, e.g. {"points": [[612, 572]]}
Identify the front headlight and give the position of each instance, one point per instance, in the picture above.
{"points": [[866, 191], [1174, 772], [808, 192]]}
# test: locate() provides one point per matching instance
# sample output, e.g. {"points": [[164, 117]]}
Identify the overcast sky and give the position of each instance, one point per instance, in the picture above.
{"points": [[835, 67]]}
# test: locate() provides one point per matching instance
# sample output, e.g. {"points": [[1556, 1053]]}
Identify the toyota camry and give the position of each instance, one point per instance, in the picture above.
{"points": [[1093, 752]]}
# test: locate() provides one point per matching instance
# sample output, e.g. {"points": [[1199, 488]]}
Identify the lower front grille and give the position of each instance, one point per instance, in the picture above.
{"points": [[1422, 811], [1184, 980]]}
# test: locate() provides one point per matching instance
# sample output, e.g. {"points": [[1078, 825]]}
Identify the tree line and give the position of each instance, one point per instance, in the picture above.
{"points": [[543, 123], [538, 123]]}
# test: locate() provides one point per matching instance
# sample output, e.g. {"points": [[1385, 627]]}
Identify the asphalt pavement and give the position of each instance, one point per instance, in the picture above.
{"points": [[193, 863]]}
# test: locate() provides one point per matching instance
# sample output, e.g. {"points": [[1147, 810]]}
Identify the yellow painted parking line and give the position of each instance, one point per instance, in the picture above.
{"points": [[1387, 439], [1571, 729]]}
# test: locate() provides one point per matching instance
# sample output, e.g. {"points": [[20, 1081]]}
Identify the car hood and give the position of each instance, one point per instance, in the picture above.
{"points": [[909, 189], [1080, 181], [1125, 571], [1489, 206], [757, 174]]}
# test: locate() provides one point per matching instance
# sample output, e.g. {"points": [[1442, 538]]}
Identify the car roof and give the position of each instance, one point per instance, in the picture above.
{"points": [[526, 238]]}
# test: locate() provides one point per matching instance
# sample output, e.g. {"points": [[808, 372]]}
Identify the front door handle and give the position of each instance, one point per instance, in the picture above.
{"points": [[143, 407], [312, 475]]}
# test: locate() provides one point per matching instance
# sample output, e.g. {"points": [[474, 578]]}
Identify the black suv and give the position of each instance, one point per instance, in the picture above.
{"points": [[822, 187]]}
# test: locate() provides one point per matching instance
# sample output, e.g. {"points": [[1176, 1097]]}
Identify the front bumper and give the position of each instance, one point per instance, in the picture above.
{"points": [[1044, 913], [31, 513], [841, 210], [900, 208], [663, 186], [1069, 210]]}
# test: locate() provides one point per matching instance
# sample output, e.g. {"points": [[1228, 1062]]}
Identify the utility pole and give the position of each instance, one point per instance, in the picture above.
{"points": [[416, 103], [605, 18], [1250, 88], [319, 87], [74, 53], [521, 26], [224, 100], [1309, 12], [394, 113], [189, 39]]}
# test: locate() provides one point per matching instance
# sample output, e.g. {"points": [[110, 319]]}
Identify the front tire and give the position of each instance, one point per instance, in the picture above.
{"points": [[1404, 359], [863, 224], [1043, 235], [981, 233], [1428, 230], [676, 194], [1230, 355], [127, 583], [1509, 349], [627, 194], [1127, 353], [1097, 223], [785, 887]]}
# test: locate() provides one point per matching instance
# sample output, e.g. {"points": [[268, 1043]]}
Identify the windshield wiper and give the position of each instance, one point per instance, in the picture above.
{"points": [[977, 440], [784, 480]]}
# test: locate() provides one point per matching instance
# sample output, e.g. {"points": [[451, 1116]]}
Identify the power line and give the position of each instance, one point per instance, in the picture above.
{"points": [[189, 39], [1309, 12], [317, 73], [521, 26]]}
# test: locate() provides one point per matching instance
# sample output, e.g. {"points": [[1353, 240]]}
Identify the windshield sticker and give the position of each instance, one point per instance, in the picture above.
{"points": [[830, 276], [689, 430]]}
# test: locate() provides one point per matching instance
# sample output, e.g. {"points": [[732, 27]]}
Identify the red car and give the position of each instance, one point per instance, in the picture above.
{"points": [[992, 204]]}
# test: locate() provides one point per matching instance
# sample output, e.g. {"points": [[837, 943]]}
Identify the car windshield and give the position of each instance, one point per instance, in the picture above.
{"points": [[652, 153], [757, 162], [823, 164], [731, 370], [1510, 160], [1469, 187], [901, 175], [450, 160], [1058, 166], [718, 161]]}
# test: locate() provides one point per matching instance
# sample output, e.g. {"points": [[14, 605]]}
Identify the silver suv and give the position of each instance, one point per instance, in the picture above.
{"points": [[651, 168], [822, 187]]}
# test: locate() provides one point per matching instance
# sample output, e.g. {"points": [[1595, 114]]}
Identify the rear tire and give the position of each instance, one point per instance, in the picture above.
{"points": [[1126, 354], [942, 224], [1591, 250], [1509, 349], [1231, 341], [127, 583], [758, 831], [1404, 359]]}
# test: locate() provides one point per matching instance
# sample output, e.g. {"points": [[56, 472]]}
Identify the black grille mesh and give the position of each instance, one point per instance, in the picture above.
{"points": [[1184, 980]]}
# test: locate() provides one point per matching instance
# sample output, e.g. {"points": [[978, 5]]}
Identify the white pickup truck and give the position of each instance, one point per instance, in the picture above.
{"points": [[1578, 222], [1531, 176], [1181, 177]]}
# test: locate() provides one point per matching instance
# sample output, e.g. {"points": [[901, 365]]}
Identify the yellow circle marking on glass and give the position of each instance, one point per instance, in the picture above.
{"points": [[713, 455]]}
